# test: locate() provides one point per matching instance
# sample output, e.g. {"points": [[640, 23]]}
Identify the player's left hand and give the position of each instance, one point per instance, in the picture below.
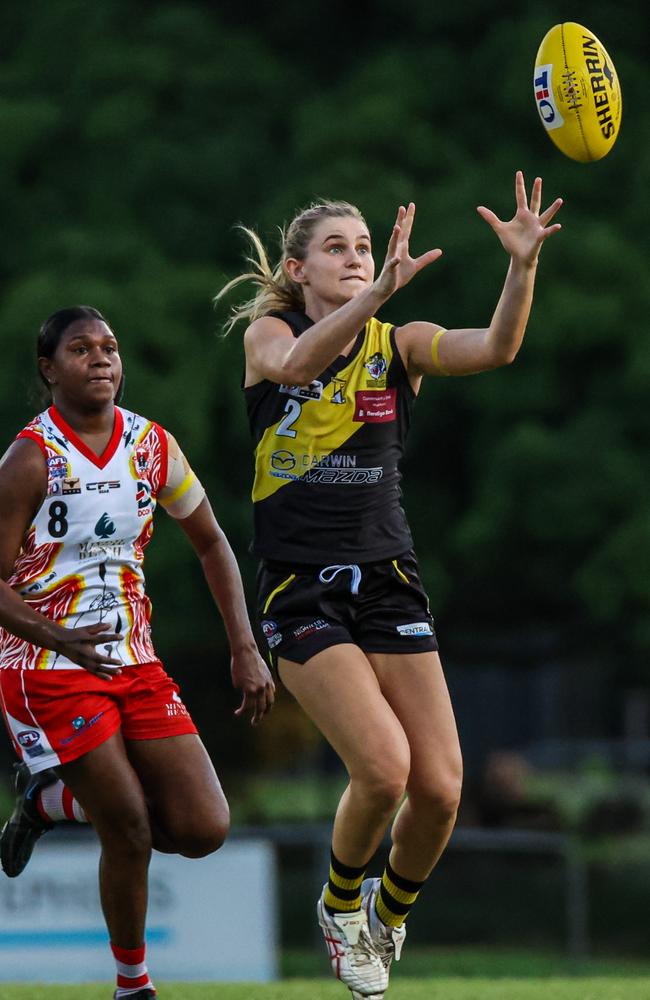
{"points": [[523, 235], [252, 677]]}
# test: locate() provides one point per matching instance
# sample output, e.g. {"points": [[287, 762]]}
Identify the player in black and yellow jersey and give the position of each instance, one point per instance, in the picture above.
{"points": [[329, 390]]}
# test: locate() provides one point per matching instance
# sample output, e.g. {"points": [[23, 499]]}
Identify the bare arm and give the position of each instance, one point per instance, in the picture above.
{"points": [[249, 673], [427, 351], [23, 483], [272, 352]]}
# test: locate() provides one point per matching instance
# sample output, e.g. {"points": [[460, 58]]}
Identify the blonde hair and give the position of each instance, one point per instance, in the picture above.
{"points": [[275, 289]]}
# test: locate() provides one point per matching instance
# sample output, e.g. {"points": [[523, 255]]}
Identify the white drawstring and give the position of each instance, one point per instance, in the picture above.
{"points": [[335, 570]]}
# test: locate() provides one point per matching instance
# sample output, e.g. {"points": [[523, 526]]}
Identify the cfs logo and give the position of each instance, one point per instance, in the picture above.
{"points": [[103, 487]]}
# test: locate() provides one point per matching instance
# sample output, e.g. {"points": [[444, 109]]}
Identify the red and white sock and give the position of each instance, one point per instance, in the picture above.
{"points": [[55, 803], [132, 974]]}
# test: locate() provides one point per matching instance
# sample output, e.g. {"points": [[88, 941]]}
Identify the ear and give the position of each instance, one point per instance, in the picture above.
{"points": [[46, 369], [295, 270]]}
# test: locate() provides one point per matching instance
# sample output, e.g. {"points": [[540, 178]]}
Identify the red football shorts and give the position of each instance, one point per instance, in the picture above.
{"points": [[55, 716]]}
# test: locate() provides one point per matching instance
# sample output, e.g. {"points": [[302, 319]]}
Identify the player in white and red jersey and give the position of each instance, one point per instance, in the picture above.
{"points": [[81, 687]]}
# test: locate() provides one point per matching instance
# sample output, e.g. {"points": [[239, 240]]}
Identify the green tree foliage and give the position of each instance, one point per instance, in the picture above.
{"points": [[135, 136]]}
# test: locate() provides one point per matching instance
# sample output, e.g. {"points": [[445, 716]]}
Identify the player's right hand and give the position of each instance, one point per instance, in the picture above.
{"points": [[399, 267], [79, 645]]}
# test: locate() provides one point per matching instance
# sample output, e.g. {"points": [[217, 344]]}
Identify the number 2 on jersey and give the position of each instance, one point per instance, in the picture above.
{"points": [[293, 410]]}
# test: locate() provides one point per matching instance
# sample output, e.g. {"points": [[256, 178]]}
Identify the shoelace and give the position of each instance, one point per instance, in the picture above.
{"points": [[364, 950]]}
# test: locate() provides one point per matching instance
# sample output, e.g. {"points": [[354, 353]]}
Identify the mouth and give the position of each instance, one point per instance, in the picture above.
{"points": [[102, 378], [354, 277]]}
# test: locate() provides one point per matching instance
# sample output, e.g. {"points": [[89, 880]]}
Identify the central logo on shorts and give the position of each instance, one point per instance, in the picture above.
{"points": [[415, 628], [79, 722]]}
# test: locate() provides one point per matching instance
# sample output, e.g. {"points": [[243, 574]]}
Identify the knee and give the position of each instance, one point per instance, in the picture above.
{"points": [[439, 799], [384, 782], [198, 843], [128, 836]]}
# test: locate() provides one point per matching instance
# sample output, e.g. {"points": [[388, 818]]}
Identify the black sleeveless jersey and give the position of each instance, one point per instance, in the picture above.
{"points": [[327, 479]]}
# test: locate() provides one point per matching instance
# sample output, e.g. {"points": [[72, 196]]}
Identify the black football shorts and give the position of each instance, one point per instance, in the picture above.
{"points": [[380, 607]]}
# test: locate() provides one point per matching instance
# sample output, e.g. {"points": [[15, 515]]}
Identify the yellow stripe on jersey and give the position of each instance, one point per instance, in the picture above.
{"points": [[278, 590], [435, 345], [399, 572], [319, 429]]}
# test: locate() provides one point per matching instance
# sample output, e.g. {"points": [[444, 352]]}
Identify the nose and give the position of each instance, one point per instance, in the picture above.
{"points": [[99, 359], [354, 259]]}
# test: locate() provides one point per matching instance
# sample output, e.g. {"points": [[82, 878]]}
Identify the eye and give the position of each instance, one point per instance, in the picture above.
{"points": [[335, 248], [363, 249], [80, 350]]}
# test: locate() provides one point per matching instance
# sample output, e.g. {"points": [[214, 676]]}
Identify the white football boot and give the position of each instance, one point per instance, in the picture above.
{"points": [[388, 941], [352, 953]]}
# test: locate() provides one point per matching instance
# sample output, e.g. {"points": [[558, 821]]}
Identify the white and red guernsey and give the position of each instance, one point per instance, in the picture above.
{"points": [[81, 559]]}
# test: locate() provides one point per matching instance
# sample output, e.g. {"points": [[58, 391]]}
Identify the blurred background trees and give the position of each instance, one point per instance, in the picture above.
{"points": [[134, 136]]}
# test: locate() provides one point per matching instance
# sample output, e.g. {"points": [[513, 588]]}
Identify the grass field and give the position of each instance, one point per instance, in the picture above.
{"points": [[462, 974], [577, 988]]}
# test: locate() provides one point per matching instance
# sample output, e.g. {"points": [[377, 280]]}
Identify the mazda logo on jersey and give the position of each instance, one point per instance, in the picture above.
{"points": [[104, 486], [284, 460]]}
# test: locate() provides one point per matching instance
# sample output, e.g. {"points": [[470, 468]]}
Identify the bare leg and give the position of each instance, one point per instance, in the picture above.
{"points": [[108, 789], [339, 691], [188, 810], [415, 688], [168, 786]]}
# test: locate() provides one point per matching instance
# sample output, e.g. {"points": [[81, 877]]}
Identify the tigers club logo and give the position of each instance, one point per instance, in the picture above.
{"points": [[376, 365]]}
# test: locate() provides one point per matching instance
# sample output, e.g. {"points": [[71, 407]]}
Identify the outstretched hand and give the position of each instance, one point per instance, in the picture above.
{"points": [[399, 267], [252, 677], [80, 646], [523, 235]]}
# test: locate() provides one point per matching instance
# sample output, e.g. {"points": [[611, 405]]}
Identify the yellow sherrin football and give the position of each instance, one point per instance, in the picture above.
{"points": [[577, 92]]}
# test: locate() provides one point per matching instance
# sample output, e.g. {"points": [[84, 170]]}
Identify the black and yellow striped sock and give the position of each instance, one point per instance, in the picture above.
{"points": [[396, 897], [343, 892]]}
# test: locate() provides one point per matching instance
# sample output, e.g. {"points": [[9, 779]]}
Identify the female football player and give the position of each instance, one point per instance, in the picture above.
{"points": [[82, 689], [329, 390]]}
